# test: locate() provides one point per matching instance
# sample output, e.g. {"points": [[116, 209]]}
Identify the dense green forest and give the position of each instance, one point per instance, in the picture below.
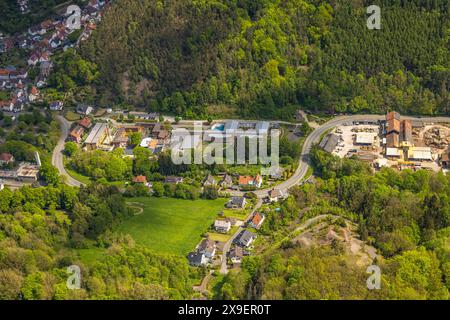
{"points": [[41, 229], [404, 215], [263, 58]]}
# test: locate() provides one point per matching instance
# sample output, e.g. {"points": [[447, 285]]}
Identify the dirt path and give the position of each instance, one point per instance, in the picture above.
{"points": [[202, 288], [136, 205]]}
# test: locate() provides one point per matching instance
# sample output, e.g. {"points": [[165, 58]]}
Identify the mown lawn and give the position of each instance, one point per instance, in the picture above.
{"points": [[91, 255], [170, 225]]}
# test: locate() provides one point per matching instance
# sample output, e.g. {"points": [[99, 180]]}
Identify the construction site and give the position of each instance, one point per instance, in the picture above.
{"points": [[394, 142]]}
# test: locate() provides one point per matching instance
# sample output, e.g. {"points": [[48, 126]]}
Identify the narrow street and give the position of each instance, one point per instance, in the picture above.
{"points": [[58, 158], [227, 246]]}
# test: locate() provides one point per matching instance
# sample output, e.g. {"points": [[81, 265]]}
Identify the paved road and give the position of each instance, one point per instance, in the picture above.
{"points": [[314, 137], [57, 157], [227, 246], [295, 179]]}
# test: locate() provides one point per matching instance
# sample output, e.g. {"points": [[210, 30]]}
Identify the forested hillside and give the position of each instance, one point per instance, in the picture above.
{"points": [[405, 216], [258, 58], [41, 230]]}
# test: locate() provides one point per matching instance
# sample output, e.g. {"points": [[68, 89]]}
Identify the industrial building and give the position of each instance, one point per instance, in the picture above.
{"points": [[364, 138], [97, 136], [330, 142], [420, 154]]}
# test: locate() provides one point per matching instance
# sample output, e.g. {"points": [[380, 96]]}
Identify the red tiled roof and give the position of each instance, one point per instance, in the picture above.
{"points": [[245, 180], [6, 157], [86, 122], [393, 125], [392, 115], [140, 179], [34, 90], [257, 219], [392, 140]]}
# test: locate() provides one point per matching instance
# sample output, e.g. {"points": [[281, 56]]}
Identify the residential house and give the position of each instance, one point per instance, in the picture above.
{"points": [[197, 259], [6, 158], [208, 248], [6, 105], [257, 220], [85, 123], [140, 180], [236, 254], [250, 182], [222, 226], [236, 203], [210, 181], [56, 105], [275, 195], [76, 134], [245, 238], [5, 74], [227, 182], [37, 30], [34, 94], [159, 132], [84, 109], [174, 180]]}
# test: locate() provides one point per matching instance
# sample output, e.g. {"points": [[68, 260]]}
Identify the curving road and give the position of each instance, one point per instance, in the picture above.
{"points": [[296, 178], [57, 156], [314, 138]]}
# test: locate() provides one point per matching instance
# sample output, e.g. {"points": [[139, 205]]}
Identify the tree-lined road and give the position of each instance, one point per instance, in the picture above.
{"points": [[57, 156]]}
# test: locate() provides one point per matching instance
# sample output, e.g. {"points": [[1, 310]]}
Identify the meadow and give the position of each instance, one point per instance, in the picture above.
{"points": [[169, 225]]}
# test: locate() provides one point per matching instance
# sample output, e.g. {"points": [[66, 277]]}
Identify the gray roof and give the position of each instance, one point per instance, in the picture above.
{"points": [[236, 252], [245, 237], [195, 258], [238, 201], [207, 245], [96, 132]]}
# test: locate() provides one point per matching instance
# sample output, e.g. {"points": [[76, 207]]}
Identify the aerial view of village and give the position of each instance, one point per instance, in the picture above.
{"points": [[96, 106]]}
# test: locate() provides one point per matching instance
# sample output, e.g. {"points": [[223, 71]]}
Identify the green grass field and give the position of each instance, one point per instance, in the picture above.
{"points": [[170, 225]]}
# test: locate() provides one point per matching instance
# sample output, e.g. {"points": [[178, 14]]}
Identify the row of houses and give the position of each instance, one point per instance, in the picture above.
{"points": [[204, 253], [42, 40]]}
